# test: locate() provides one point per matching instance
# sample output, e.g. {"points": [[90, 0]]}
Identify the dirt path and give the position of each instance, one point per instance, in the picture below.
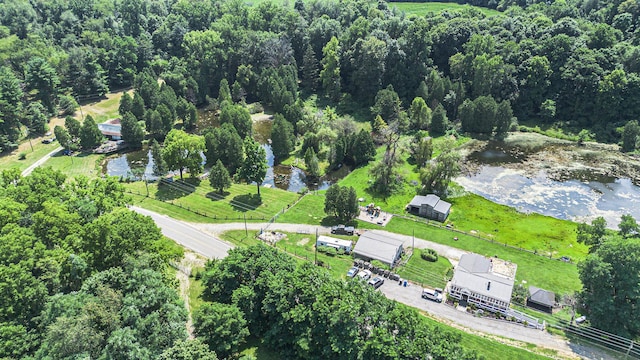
{"points": [[188, 262]]}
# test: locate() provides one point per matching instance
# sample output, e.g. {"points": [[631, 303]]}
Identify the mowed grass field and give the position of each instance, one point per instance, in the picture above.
{"points": [[426, 273], [423, 8], [189, 203]]}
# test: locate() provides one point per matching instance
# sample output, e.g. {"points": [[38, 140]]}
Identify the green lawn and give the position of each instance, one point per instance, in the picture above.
{"points": [[535, 232], [426, 273], [536, 270], [423, 8], [236, 202], [39, 150], [195, 291], [84, 163]]}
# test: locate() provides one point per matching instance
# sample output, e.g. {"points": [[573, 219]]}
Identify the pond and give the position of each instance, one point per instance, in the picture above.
{"points": [[578, 196], [288, 178]]}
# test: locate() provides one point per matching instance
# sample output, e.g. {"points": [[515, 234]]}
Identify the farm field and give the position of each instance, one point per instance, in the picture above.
{"points": [[423, 8]]}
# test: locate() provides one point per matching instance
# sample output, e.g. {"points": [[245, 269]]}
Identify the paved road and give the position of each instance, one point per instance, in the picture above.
{"points": [[190, 237], [41, 161]]}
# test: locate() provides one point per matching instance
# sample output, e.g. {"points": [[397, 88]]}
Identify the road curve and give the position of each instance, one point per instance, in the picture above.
{"points": [[190, 237], [40, 161]]}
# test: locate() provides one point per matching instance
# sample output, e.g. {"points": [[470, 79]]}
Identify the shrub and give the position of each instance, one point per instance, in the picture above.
{"points": [[429, 255], [379, 264], [22, 156]]}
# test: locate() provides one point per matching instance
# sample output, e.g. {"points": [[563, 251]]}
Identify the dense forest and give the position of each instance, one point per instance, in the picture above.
{"points": [[81, 276], [571, 64]]}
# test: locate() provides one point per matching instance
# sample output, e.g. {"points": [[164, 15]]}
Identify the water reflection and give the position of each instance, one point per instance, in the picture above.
{"points": [[581, 196], [131, 165]]}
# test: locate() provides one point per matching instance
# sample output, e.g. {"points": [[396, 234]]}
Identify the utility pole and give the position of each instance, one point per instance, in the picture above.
{"points": [[315, 260], [246, 231]]}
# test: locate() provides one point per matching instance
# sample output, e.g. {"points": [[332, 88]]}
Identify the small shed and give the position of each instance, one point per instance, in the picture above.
{"points": [[345, 245], [373, 245], [430, 206], [541, 299]]}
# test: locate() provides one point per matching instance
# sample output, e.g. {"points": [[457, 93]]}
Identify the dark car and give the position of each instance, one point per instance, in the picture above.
{"points": [[376, 282], [343, 230], [48, 141]]}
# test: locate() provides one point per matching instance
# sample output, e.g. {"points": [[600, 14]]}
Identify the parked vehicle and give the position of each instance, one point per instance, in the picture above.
{"points": [[376, 282], [352, 272], [581, 319], [48, 141], [342, 230], [432, 294], [364, 275]]}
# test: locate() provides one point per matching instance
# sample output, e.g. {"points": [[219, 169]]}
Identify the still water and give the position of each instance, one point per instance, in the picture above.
{"points": [[580, 197], [288, 178]]}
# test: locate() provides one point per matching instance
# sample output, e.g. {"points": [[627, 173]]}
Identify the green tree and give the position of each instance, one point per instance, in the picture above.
{"points": [[160, 167], [90, 135], [188, 350], [222, 327], [310, 72], [42, 80], [609, 278], [182, 151], [37, 117], [239, 117], [628, 226], [126, 104], [341, 202], [419, 114], [219, 177], [592, 235], [254, 165], [137, 106], [387, 104], [630, 136], [225, 144], [439, 121], [437, 174], [132, 131], [224, 93], [63, 137], [67, 105], [311, 163], [73, 126], [422, 149], [330, 73], [504, 118], [282, 138], [11, 108]]}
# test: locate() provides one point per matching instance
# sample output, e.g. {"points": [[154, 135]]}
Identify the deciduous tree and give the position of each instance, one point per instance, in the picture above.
{"points": [[219, 177], [254, 165], [222, 327], [182, 151]]}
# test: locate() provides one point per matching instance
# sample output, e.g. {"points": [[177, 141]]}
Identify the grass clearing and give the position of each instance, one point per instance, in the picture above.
{"points": [[423, 8], [104, 109], [12, 160], [196, 287], [542, 234], [85, 163], [426, 273], [197, 197]]}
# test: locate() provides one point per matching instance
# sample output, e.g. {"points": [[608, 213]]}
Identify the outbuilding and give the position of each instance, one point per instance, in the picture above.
{"points": [[541, 299], [429, 206], [373, 245], [345, 245], [112, 129]]}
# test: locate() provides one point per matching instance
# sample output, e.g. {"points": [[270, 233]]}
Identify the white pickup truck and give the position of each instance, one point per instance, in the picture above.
{"points": [[432, 294]]}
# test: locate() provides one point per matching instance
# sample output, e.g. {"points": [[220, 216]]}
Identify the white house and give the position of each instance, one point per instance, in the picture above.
{"points": [[345, 245], [486, 283]]}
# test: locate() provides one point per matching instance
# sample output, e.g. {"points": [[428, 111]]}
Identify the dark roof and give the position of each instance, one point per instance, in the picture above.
{"points": [[442, 207], [541, 296]]}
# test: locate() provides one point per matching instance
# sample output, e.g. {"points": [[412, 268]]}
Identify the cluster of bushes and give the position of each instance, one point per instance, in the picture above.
{"points": [[429, 255], [330, 250]]}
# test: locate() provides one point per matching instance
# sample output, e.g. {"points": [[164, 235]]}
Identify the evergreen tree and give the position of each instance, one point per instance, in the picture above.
{"points": [[90, 135], [439, 121], [132, 131], [330, 74], [630, 136], [254, 166], [224, 93], [311, 162], [126, 104], [282, 138], [504, 118], [419, 114], [310, 72], [159, 165], [137, 106], [219, 177]]}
